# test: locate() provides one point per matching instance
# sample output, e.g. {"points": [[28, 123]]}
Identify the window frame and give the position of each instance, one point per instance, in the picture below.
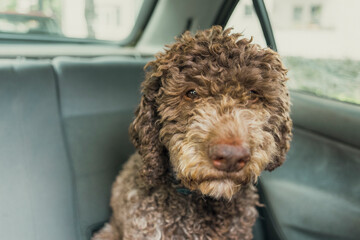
{"points": [[261, 13], [264, 20]]}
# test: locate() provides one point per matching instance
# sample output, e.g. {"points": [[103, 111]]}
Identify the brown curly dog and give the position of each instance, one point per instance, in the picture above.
{"points": [[214, 114]]}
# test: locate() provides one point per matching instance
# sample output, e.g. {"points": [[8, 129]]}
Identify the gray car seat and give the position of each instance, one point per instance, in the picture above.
{"points": [[64, 136], [97, 100], [36, 181]]}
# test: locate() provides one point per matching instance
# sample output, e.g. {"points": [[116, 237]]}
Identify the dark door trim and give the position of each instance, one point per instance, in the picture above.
{"points": [[263, 16]]}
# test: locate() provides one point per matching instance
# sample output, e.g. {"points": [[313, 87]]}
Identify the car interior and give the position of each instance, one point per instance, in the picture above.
{"points": [[67, 104]]}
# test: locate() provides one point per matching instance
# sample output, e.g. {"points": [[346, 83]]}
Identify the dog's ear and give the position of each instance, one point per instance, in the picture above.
{"points": [[283, 144], [144, 133], [282, 124]]}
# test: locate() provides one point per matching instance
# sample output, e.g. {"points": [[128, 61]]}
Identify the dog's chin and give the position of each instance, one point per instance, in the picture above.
{"points": [[219, 188]]}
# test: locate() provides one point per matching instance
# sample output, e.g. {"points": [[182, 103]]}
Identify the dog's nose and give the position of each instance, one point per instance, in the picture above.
{"points": [[229, 158]]}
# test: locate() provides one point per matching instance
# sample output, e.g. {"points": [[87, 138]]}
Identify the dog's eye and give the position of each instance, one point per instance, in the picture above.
{"points": [[254, 96], [191, 94]]}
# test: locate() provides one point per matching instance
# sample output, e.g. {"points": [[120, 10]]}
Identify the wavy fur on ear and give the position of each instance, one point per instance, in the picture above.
{"points": [[144, 132], [284, 138], [280, 122]]}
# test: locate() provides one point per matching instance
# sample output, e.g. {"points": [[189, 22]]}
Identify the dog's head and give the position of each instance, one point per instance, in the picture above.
{"points": [[215, 109]]}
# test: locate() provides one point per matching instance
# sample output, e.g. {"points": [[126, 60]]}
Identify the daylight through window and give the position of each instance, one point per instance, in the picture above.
{"points": [[92, 19]]}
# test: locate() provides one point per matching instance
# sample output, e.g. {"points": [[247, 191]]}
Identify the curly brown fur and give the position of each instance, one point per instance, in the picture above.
{"points": [[240, 99]]}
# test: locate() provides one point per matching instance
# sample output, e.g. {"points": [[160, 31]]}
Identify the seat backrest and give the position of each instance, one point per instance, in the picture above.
{"points": [[63, 138], [36, 194], [98, 98]]}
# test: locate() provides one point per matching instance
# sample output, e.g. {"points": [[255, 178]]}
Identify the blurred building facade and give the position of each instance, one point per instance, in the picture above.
{"points": [[306, 28]]}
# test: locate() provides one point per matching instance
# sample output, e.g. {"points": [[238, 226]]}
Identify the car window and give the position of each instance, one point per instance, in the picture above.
{"points": [[33, 24], [85, 19], [319, 42], [244, 20]]}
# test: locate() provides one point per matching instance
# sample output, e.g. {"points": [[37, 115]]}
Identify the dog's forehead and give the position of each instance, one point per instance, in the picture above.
{"points": [[232, 76]]}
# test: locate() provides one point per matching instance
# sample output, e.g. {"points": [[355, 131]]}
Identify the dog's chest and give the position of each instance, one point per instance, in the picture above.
{"points": [[174, 216]]}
